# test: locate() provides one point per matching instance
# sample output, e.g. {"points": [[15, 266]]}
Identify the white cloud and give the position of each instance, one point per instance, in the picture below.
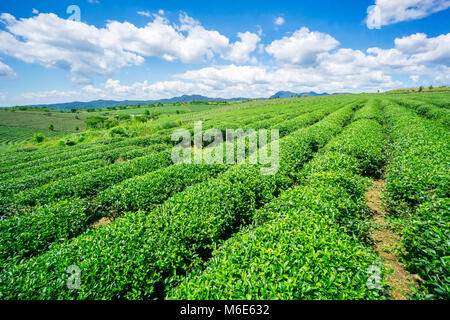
{"points": [[422, 49], [161, 12], [144, 13], [303, 61], [86, 50], [240, 51], [35, 11], [414, 53], [6, 71], [302, 47], [386, 12], [279, 21], [57, 43], [414, 78], [260, 30], [338, 70]]}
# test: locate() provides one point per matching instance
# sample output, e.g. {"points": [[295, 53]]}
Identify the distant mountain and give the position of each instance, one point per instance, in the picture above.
{"points": [[114, 103], [289, 94], [284, 94], [96, 104]]}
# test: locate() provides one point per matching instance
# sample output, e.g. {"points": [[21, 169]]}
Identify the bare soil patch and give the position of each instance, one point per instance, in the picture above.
{"points": [[102, 222], [400, 281]]}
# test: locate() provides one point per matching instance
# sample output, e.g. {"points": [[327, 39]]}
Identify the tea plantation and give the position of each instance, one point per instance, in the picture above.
{"points": [[110, 204]]}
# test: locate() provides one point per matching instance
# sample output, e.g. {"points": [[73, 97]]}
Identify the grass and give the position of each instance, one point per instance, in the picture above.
{"points": [[62, 122], [166, 109], [10, 136]]}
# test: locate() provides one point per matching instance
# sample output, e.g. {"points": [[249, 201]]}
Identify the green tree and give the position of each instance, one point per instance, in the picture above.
{"points": [[38, 138], [95, 121]]}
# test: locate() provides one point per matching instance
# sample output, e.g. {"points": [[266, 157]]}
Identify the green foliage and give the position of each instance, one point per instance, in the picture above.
{"points": [[85, 184], [118, 131], [299, 254], [95, 122], [142, 119], [172, 237], [304, 244], [418, 191], [38, 137], [167, 125], [426, 239], [122, 117], [111, 123]]}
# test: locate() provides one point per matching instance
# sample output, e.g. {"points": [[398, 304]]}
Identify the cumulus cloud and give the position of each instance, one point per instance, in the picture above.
{"points": [[422, 49], [302, 48], [414, 54], [279, 21], [386, 12], [6, 71], [240, 51], [86, 50], [57, 43]]}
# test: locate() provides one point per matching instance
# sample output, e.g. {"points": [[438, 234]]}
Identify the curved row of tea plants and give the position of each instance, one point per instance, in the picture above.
{"points": [[85, 184], [110, 154], [418, 189], [73, 153], [429, 111], [102, 159]]}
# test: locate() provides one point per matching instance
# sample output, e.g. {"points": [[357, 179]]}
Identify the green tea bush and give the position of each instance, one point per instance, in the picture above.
{"points": [[426, 239], [364, 140], [86, 184], [38, 137], [417, 192], [61, 221], [57, 172], [301, 253]]}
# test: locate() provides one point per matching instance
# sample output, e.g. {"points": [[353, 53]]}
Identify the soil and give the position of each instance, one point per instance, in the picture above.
{"points": [[102, 222], [400, 281]]}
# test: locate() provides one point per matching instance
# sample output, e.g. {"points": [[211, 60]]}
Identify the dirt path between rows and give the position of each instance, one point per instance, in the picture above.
{"points": [[400, 281]]}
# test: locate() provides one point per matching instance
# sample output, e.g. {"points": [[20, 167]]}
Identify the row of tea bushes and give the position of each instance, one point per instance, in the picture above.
{"points": [[418, 185], [85, 184]]}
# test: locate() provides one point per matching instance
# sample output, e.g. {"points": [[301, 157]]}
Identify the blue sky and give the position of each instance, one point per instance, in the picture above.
{"points": [[158, 49]]}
